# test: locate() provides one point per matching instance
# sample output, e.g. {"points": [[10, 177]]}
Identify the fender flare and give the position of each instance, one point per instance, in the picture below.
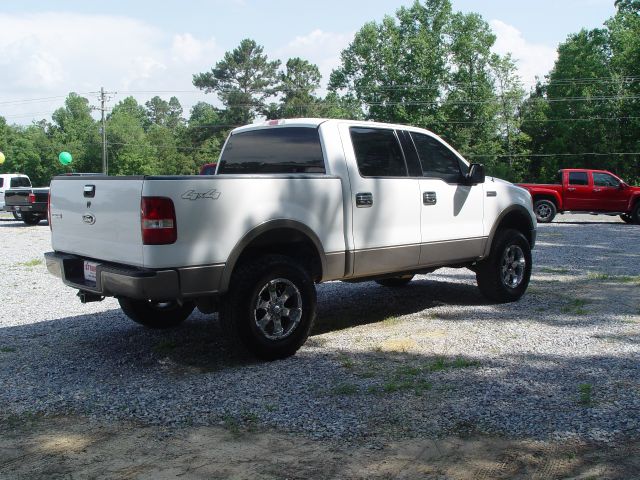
{"points": [[507, 211], [548, 193], [261, 229]]}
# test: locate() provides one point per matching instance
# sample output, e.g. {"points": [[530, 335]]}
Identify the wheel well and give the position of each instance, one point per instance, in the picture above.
{"points": [[517, 221], [284, 241], [551, 198]]}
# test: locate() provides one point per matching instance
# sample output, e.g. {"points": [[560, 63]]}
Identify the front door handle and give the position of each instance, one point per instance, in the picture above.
{"points": [[571, 189], [429, 198], [596, 190], [364, 200]]}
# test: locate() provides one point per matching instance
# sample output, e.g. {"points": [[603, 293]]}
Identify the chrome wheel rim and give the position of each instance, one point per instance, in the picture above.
{"points": [[278, 309], [513, 266], [543, 211]]}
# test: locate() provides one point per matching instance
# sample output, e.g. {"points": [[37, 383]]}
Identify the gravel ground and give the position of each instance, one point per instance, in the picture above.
{"points": [[430, 359]]}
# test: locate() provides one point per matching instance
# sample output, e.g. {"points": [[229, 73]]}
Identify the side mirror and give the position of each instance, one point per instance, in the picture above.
{"points": [[622, 186], [476, 174]]}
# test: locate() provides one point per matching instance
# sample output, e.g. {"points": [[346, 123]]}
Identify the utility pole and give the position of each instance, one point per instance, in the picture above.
{"points": [[103, 99]]}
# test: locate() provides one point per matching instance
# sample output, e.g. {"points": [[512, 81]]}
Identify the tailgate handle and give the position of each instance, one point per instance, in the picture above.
{"points": [[89, 191]]}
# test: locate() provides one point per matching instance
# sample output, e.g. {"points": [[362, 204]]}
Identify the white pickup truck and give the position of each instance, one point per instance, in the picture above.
{"points": [[293, 203]]}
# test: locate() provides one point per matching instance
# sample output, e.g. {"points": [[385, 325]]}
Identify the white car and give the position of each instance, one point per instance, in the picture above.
{"points": [[292, 203]]}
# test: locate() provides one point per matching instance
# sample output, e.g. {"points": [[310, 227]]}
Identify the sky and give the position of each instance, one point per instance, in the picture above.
{"points": [[145, 48]]}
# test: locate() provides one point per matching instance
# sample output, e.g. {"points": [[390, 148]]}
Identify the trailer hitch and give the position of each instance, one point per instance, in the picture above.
{"points": [[87, 297]]}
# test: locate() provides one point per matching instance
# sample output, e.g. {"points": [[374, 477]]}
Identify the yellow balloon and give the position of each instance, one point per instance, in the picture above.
{"points": [[2, 158]]}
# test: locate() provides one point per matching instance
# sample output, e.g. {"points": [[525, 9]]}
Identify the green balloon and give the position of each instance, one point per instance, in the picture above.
{"points": [[65, 158]]}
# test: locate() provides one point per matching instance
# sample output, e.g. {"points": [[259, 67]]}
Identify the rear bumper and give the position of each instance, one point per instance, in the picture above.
{"points": [[113, 280], [29, 208]]}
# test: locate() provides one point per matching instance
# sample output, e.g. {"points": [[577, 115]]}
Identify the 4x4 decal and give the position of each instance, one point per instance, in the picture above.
{"points": [[193, 195]]}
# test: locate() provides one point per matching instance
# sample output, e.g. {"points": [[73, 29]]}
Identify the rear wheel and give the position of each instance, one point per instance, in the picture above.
{"points": [[545, 210], [158, 315], [270, 307], [504, 275], [400, 281], [30, 219]]}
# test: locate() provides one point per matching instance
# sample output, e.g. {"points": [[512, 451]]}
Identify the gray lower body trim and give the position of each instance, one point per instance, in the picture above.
{"points": [[451, 251], [378, 261], [384, 260], [138, 283], [335, 266]]}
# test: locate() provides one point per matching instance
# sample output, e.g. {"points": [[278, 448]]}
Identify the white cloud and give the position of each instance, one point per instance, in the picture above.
{"points": [[533, 60], [48, 54], [319, 47]]}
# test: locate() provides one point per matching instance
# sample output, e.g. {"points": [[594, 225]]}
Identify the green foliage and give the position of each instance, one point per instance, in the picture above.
{"points": [[244, 79]]}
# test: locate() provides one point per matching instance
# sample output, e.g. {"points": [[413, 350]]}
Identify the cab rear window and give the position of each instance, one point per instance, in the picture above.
{"points": [[17, 182], [273, 150]]}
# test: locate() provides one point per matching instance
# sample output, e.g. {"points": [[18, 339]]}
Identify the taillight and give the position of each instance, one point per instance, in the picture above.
{"points": [[49, 210], [32, 198], [158, 221]]}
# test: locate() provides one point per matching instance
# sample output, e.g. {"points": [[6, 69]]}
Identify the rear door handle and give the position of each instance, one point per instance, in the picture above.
{"points": [[571, 189], [597, 190]]}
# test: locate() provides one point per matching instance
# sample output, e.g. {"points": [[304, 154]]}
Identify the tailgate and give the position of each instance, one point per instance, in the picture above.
{"points": [[97, 217], [17, 197]]}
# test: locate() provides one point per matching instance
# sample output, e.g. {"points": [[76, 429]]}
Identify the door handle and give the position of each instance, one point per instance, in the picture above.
{"points": [[597, 190], [571, 189], [429, 198], [364, 200]]}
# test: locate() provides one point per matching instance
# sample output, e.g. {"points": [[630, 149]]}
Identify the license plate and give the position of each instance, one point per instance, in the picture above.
{"points": [[90, 271]]}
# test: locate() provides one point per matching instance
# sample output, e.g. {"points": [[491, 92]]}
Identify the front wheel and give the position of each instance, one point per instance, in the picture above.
{"points": [[626, 218], [545, 210], [504, 275], [29, 219], [156, 315], [270, 307]]}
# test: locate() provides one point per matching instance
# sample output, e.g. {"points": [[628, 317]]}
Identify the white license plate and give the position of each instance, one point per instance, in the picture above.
{"points": [[90, 271]]}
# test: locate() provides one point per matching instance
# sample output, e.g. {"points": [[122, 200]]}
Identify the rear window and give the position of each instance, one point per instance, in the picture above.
{"points": [[578, 178], [273, 150], [17, 182]]}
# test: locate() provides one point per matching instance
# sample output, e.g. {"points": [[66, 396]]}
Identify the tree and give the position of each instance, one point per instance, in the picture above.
{"points": [[75, 131], [244, 79], [297, 85], [130, 152]]}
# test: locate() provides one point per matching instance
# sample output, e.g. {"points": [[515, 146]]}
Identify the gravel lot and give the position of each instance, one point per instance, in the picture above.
{"points": [[432, 359]]}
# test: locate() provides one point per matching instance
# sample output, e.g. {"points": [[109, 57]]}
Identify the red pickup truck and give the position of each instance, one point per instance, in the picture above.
{"points": [[583, 190]]}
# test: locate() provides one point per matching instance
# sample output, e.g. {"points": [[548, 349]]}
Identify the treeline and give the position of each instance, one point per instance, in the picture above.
{"points": [[426, 66]]}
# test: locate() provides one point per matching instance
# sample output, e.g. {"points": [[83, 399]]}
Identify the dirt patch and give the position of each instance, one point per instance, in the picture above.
{"points": [[38, 448]]}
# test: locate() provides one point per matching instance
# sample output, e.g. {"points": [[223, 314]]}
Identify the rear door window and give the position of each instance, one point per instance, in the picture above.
{"points": [[273, 150], [578, 178], [378, 152]]}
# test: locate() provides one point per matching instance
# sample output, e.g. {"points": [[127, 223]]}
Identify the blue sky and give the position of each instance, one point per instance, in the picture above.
{"points": [[50, 48]]}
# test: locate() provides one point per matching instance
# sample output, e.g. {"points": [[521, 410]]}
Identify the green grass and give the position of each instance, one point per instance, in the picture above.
{"points": [[391, 321], [346, 361], [7, 349], [614, 278], [345, 389], [586, 391], [165, 347], [575, 307], [554, 270], [31, 263]]}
